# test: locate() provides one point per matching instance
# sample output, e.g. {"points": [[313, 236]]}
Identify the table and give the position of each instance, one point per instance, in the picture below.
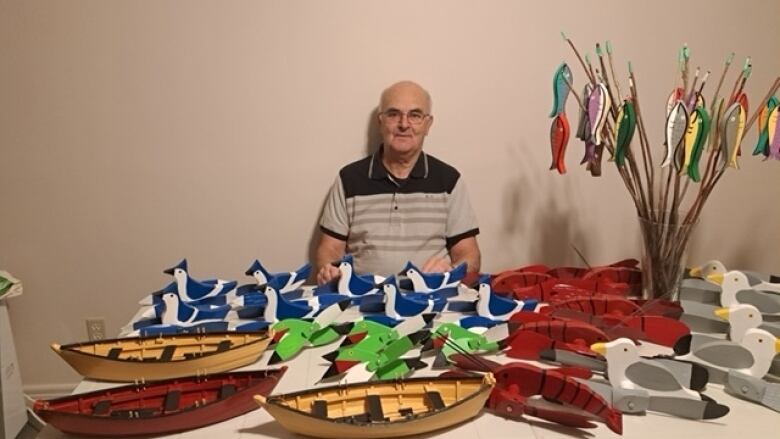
{"points": [[745, 419]]}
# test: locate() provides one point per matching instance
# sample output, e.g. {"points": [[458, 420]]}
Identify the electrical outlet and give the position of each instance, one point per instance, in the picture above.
{"points": [[96, 329]]}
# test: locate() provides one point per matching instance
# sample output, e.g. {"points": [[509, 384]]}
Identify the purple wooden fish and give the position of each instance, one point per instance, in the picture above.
{"points": [[583, 125], [590, 148], [598, 107]]}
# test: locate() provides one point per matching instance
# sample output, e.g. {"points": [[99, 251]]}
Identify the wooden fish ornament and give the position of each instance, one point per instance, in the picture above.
{"points": [[762, 145], [773, 129], [676, 126], [626, 124], [692, 165], [559, 137], [731, 127], [716, 127], [561, 89], [743, 101], [590, 148], [683, 153], [594, 166], [583, 125], [598, 109], [674, 96]]}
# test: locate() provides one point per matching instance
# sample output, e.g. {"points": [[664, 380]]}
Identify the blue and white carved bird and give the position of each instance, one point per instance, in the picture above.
{"points": [[427, 282], [191, 290], [499, 308], [205, 326], [177, 312], [280, 308], [290, 281], [399, 306], [350, 283]]}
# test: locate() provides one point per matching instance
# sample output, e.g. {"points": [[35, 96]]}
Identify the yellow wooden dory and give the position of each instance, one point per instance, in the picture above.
{"points": [[380, 409], [165, 356]]}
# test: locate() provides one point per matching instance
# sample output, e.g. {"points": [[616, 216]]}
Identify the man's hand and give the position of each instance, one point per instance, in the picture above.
{"points": [[327, 274], [436, 265], [329, 249]]}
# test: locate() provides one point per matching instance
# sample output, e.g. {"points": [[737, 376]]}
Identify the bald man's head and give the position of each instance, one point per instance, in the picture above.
{"points": [[409, 88], [404, 119]]}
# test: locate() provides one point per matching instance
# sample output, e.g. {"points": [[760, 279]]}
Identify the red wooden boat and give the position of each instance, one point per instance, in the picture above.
{"points": [[159, 407]]}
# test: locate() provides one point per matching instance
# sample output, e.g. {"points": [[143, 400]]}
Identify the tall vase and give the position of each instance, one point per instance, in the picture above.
{"points": [[665, 241]]}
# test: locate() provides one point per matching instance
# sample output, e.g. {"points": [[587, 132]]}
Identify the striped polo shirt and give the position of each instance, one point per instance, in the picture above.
{"points": [[387, 222]]}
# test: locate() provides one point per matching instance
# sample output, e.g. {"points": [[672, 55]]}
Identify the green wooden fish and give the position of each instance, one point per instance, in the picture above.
{"points": [[703, 119], [626, 125]]}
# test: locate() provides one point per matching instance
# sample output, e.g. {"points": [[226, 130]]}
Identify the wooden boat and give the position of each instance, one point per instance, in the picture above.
{"points": [[163, 357], [161, 407], [379, 409]]}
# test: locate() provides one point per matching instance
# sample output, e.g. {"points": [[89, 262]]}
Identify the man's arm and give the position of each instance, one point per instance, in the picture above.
{"points": [[329, 249], [466, 250]]}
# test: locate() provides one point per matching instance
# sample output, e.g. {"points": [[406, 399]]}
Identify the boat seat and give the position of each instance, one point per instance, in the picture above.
{"points": [[171, 402], [101, 407], [226, 390], [406, 412], [113, 354], [136, 413], [224, 345], [167, 353], [434, 400], [355, 419], [319, 408], [374, 408]]}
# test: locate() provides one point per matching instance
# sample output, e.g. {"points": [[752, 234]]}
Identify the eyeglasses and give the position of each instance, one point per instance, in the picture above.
{"points": [[393, 116]]}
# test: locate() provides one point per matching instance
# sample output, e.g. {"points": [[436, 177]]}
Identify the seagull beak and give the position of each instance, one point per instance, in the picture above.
{"points": [[694, 272], [599, 348], [723, 313], [715, 278], [777, 346]]}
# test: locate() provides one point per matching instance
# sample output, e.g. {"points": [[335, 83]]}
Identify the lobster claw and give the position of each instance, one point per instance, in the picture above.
{"points": [[507, 404], [543, 411], [470, 362]]}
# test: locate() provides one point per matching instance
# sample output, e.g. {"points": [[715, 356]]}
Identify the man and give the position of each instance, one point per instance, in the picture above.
{"points": [[399, 204]]}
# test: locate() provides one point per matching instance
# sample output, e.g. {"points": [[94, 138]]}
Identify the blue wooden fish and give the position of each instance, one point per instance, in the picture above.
{"points": [[561, 89]]}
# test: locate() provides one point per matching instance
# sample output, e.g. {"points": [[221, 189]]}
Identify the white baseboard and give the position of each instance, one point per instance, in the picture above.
{"points": [[49, 391]]}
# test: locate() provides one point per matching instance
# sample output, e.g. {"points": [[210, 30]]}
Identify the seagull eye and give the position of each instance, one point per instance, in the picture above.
{"points": [[750, 316], [760, 340], [625, 349]]}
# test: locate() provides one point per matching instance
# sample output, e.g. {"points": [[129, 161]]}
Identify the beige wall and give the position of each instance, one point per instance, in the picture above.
{"points": [[135, 133]]}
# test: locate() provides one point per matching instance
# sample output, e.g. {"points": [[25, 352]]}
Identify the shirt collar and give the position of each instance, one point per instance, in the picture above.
{"points": [[377, 171]]}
